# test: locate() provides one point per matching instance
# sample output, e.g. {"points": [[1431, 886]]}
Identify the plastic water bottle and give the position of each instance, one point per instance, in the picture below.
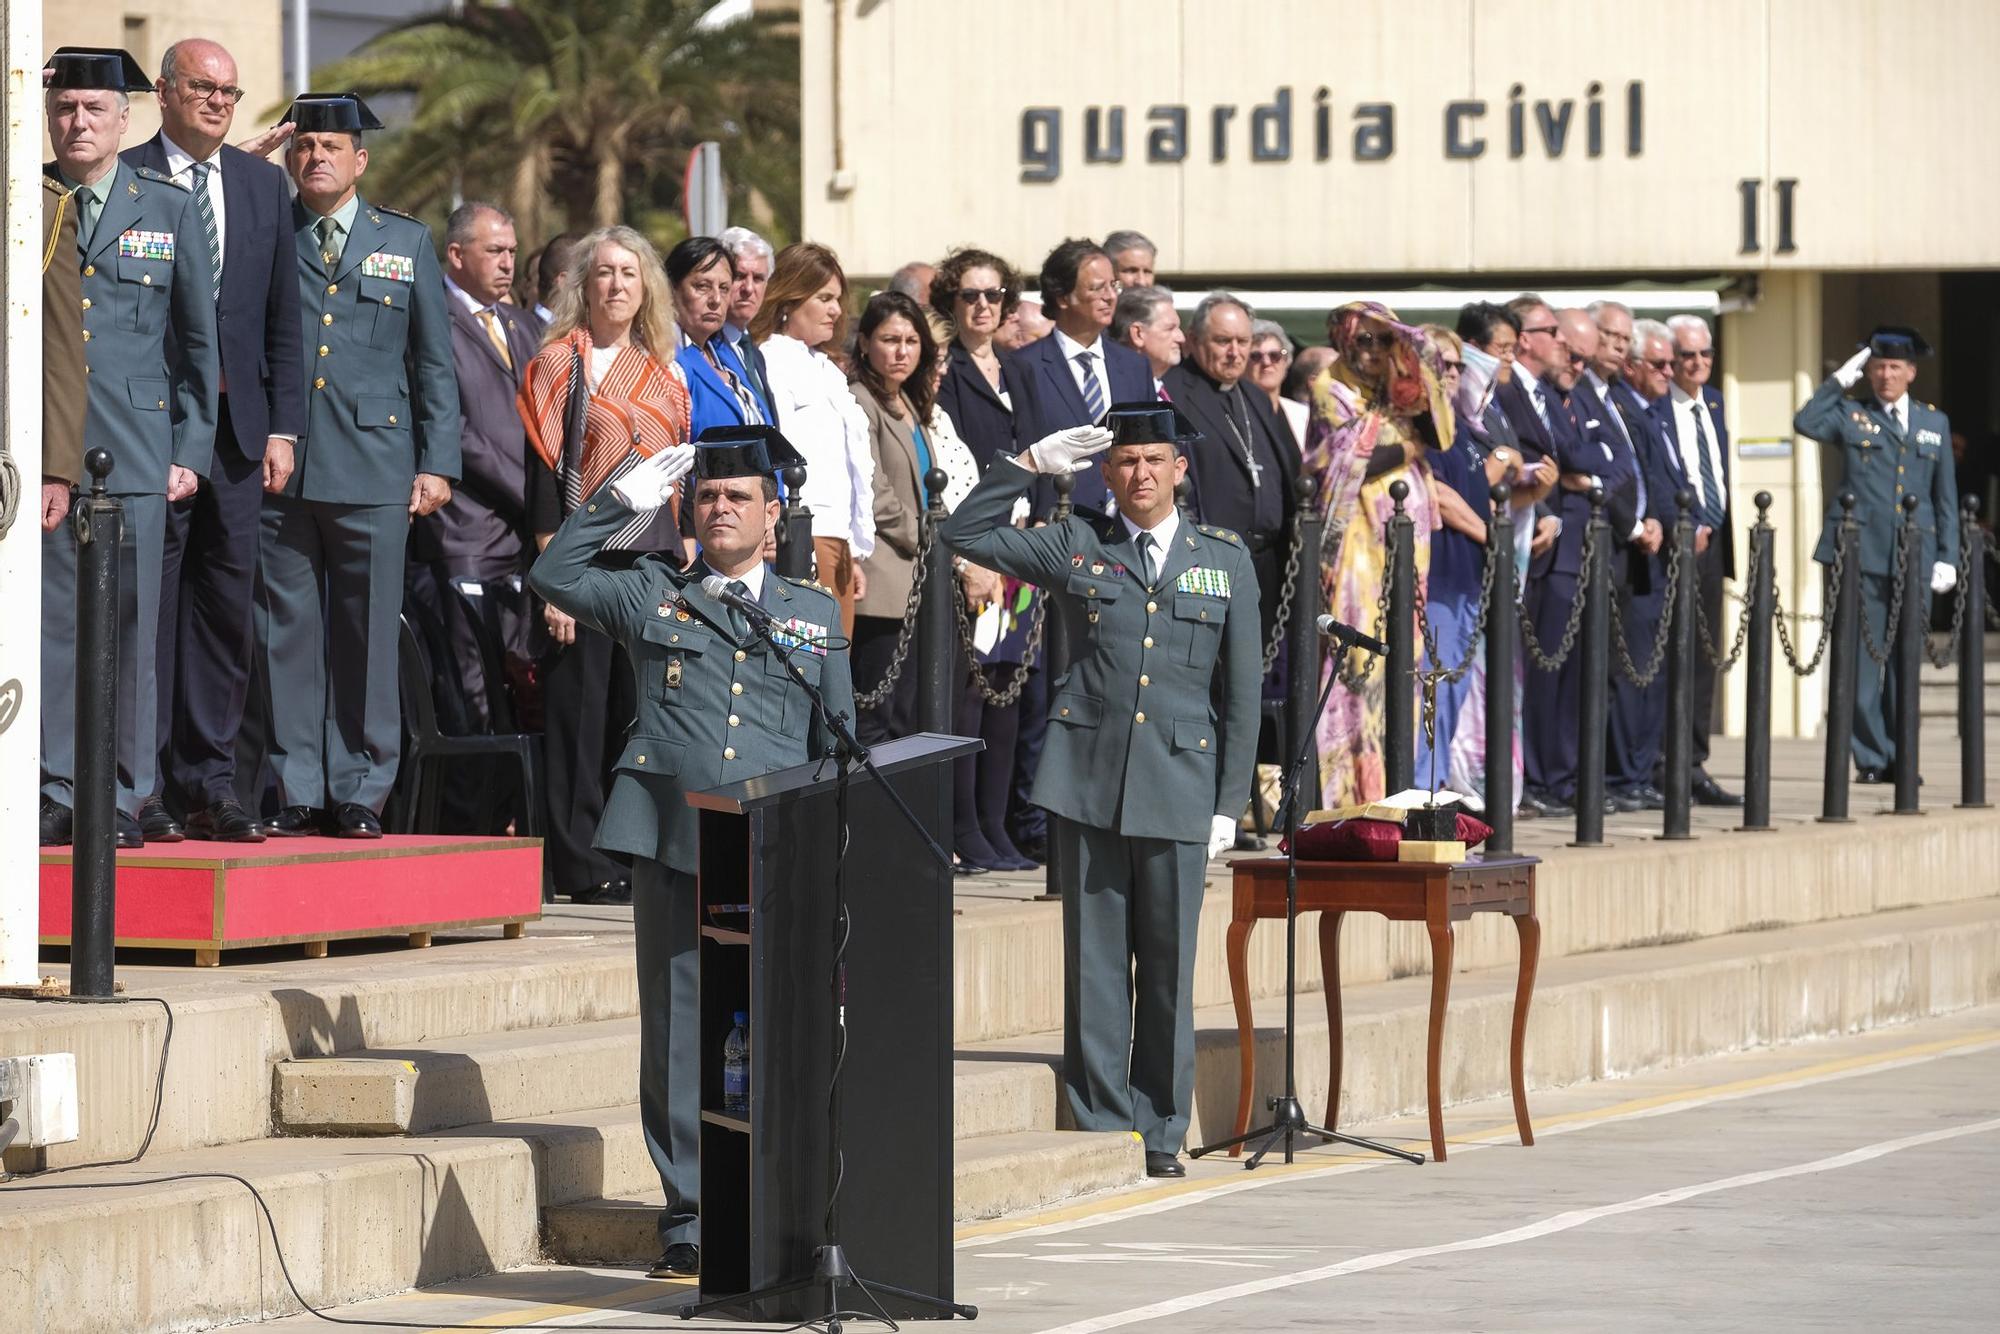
{"points": [[736, 1068]]}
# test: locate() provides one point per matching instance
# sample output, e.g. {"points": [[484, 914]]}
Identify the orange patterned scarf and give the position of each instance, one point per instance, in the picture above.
{"points": [[639, 408]]}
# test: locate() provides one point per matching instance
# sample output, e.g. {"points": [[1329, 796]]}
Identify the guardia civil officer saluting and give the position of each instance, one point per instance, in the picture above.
{"points": [[380, 445], [1148, 759], [1891, 446], [715, 706], [149, 346]]}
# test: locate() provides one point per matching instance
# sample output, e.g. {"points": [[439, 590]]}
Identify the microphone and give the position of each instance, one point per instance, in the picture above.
{"points": [[718, 588], [1352, 637]]}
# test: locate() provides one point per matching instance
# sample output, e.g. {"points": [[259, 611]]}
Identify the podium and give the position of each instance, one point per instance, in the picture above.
{"points": [[766, 893]]}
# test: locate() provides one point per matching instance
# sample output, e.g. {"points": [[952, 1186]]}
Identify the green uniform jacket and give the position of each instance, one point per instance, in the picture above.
{"points": [[381, 393], [149, 333], [1141, 741], [1883, 465], [708, 713]]}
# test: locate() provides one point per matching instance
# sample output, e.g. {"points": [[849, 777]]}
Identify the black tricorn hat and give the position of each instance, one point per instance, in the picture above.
{"points": [[1898, 341], [1147, 423], [330, 113], [743, 451], [109, 68]]}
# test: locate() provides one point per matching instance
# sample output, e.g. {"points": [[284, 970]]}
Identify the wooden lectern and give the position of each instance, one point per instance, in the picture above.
{"points": [[766, 885]]}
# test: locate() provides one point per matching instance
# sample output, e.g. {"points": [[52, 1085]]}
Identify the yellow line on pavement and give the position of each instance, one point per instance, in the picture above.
{"points": [[600, 1304]]}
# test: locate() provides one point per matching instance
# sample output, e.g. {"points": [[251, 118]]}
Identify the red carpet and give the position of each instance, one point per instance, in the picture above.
{"points": [[210, 897]]}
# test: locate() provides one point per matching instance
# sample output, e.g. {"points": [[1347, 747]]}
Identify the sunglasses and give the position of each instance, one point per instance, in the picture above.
{"points": [[972, 296], [1372, 342], [1269, 357], [1663, 364], [1578, 359], [1701, 354], [1454, 365], [203, 89], [1539, 329]]}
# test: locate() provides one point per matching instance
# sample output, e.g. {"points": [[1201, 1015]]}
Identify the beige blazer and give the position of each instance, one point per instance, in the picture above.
{"points": [[898, 506]]}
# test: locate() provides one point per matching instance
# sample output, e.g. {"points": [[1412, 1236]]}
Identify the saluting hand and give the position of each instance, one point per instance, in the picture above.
{"points": [[278, 459], [646, 487], [1068, 450], [429, 493], [263, 145]]}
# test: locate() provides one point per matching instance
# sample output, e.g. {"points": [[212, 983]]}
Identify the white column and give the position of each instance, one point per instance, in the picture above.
{"points": [[21, 550]]}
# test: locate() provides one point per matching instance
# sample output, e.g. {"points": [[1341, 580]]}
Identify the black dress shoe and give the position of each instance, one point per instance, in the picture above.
{"points": [[353, 820], [224, 822], [1708, 792], [680, 1260], [1627, 801], [610, 891], [129, 833], [1248, 842], [963, 867], [1554, 807], [1871, 775], [1035, 850], [296, 822], [1650, 797], [1164, 1165], [156, 824], [56, 821]]}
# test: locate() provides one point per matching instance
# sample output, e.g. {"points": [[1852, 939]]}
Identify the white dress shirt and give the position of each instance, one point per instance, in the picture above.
{"points": [[1690, 443], [1899, 413], [826, 424], [180, 166], [1162, 533], [1071, 350], [753, 579], [1603, 388]]}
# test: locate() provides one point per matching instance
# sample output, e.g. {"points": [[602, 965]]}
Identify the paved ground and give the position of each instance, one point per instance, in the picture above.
{"points": [[1849, 1184]]}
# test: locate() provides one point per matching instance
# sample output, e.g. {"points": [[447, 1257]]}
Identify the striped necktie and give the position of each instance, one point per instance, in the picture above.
{"points": [[1093, 391], [204, 208], [1712, 507]]}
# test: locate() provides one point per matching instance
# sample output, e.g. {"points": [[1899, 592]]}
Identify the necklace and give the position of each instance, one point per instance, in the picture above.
{"points": [[1231, 401]]}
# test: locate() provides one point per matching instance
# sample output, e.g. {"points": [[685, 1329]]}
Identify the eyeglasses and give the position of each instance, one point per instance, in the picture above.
{"points": [[1663, 365], [1578, 359], [972, 296], [1698, 354], [1539, 329], [1371, 342], [1269, 357], [1454, 366], [203, 89]]}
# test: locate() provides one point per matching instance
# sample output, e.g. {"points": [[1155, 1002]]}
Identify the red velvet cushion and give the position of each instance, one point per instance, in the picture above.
{"points": [[1371, 840]]}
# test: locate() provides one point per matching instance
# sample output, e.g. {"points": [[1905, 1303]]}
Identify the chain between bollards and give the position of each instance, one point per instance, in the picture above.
{"points": [[1908, 640], [1302, 654], [99, 524], [795, 540], [1845, 597], [1762, 604], [1501, 627], [1056, 658], [1593, 708], [1972, 664], [1678, 752], [1399, 722], [937, 618]]}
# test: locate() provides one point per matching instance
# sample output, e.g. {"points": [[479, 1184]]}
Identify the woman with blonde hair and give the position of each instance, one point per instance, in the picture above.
{"points": [[603, 393], [800, 328]]}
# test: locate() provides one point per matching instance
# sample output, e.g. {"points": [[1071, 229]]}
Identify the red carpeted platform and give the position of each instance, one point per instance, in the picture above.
{"points": [[211, 897]]}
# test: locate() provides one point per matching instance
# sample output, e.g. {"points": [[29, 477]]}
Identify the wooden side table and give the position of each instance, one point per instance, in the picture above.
{"points": [[1432, 893]]}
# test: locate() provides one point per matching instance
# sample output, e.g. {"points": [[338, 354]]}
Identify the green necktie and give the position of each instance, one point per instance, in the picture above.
{"points": [[87, 207], [327, 228]]}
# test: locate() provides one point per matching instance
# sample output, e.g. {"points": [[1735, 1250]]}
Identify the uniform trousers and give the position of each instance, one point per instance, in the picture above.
{"points": [[208, 586], [329, 622], [1130, 916], [138, 626], [666, 935], [1875, 684]]}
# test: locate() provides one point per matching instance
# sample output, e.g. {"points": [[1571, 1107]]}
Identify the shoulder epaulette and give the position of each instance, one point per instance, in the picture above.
{"points": [[397, 213], [145, 173], [813, 584], [1220, 534], [55, 186]]}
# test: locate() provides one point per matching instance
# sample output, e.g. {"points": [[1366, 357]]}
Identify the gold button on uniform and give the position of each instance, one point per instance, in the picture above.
{"points": [[86, 335], [734, 721], [392, 419], [729, 752], [388, 301], [320, 382], [1145, 680], [160, 403], [1147, 641], [642, 759], [333, 289], [324, 349], [1093, 592], [1139, 717], [90, 270], [1204, 743], [1152, 607], [326, 318], [735, 687], [741, 655], [86, 303], [146, 279], [1065, 712]]}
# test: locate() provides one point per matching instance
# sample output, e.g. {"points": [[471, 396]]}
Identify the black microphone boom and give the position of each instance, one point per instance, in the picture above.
{"points": [[718, 588], [1349, 636]]}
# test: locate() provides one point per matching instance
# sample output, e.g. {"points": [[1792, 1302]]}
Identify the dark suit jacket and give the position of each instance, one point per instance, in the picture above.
{"points": [[481, 530], [1662, 410], [1216, 462], [257, 312], [1048, 400], [984, 423], [1660, 465], [1563, 440]]}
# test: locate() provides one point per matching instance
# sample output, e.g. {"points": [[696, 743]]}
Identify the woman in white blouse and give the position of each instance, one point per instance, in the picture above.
{"points": [[803, 318]]}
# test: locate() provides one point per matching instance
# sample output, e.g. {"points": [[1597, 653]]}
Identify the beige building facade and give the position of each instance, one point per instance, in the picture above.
{"points": [[1798, 169], [252, 30]]}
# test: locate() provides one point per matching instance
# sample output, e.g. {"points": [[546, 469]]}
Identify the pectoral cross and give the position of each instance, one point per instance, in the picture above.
{"points": [[1430, 681]]}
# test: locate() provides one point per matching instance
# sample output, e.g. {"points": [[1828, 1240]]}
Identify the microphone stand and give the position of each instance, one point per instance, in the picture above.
{"points": [[1288, 1120], [831, 1271]]}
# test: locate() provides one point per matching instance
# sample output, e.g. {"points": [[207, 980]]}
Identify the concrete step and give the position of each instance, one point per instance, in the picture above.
{"points": [[992, 1175], [363, 1217]]}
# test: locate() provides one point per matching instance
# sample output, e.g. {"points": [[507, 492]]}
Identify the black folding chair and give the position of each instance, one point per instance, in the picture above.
{"points": [[414, 806]]}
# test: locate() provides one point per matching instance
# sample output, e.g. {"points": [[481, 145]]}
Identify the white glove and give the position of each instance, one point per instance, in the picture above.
{"points": [[1221, 835], [646, 487], [1851, 372], [1068, 450], [1944, 577]]}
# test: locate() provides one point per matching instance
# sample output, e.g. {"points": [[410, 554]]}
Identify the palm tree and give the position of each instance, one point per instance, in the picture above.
{"points": [[580, 113]]}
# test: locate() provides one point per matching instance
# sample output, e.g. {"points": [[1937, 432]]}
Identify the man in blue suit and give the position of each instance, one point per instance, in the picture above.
{"points": [[1074, 375], [1691, 414], [208, 571]]}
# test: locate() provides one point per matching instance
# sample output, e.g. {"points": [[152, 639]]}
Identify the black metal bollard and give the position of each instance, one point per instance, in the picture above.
{"points": [[1302, 645], [1501, 629], [1399, 720], [1678, 751], [99, 524], [1909, 650], [1972, 667], [1055, 656], [1844, 606], [795, 538], [1757, 696], [937, 619], [1594, 708]]}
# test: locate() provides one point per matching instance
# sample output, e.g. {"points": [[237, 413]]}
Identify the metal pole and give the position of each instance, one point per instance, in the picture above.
{"points": [[1302, 650], [1844, 605], [795, 541], [1055, 656], [1972, 666], [1909, 650], [1757, 690], [1500, 631], [1679, 749], [937, 619], [1593, 707], [1399, 722], [98, 523]]}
